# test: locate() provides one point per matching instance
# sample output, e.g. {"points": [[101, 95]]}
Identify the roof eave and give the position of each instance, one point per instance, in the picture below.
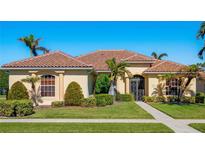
{"points": [[46, 68]]}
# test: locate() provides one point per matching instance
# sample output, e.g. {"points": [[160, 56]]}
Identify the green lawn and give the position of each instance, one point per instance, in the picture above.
{"points": [[198, 126], [183, 111], [2, 97], [84, 128], [121, 110]]}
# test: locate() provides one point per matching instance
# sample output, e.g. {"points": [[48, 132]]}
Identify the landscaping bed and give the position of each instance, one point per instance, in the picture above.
{"points": [[119, 110], [84, 128], [198, 126], [182, 111]]}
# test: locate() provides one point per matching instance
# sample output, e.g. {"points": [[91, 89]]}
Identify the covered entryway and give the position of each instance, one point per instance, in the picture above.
{"points": [[137, 87]]}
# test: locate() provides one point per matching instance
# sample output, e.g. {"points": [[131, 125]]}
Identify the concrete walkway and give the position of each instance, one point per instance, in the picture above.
{"points": [[178, 126], [82, 120]]}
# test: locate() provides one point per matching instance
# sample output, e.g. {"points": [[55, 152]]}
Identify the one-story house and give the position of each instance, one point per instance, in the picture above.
{"points": [[58, 69]]}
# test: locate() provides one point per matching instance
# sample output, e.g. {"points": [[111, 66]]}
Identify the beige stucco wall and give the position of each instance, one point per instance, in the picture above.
{"points": [[152, 81], [200, 85], [81, 77], [135, 69]]}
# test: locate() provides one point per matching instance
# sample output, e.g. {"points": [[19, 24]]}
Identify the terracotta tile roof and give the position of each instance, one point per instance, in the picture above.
{"points": [[165, 66], [98, 58], [51, 60]]}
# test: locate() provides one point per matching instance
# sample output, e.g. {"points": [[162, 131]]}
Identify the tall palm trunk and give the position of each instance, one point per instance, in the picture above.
{"points": [[112, 88]]}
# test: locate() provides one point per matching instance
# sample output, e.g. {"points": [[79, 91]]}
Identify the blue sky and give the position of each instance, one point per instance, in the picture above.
{"points": [[177, 39]]}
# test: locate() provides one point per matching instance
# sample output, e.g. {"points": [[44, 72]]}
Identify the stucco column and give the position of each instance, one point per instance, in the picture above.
{"points": [[127, 85], [33, 73], [61, 85]]}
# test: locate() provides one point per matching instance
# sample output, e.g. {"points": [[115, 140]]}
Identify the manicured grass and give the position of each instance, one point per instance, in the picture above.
{"points": [[2, 97], [182, 111], [123, 110], [198, 126], [84, 128]]}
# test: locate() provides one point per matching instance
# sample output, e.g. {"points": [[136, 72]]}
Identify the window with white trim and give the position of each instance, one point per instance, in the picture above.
{"points": [[47, 86], [172, 87]]}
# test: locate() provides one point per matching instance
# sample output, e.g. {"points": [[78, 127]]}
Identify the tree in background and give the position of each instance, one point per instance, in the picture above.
{"points": [[200, 35], [117, 70], [102, 84], [160, 56], [4, 82], [33, 45]]}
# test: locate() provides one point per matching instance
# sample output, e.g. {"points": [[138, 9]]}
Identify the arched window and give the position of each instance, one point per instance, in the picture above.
{"points": [[173, 87], [47, 86]]}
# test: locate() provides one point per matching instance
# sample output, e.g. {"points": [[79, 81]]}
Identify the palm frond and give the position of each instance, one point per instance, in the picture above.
{"points": [[201, 32], [154, 54], [201, 52], [162, 55], [42, 49]]}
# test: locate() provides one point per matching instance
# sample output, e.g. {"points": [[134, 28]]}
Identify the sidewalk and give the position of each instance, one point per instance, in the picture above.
{"points": [[82, 120], [178, 126]]}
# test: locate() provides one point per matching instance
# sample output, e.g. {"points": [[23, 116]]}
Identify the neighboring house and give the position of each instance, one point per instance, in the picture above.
{"points": [[58, 69]]}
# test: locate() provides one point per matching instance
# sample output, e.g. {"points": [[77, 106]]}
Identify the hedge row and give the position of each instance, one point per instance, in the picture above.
{"points": [[104, 99], [124, 97], [97, 100], [15, 108]]}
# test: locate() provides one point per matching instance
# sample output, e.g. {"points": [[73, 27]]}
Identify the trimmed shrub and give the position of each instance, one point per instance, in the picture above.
{"points": [[73, 94], [57, 104], [18, 91], [188, 99], [102, 84], [200, 99], [160, 99], [6, 108], [171, 99], [124, 97], [23, 107], [88, 102], [200, 94], [16, 108], [148, 99], [104, 99]]}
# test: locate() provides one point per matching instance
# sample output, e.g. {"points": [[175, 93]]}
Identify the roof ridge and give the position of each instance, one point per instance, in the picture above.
{"points": [[100, 50], [67, 55], [137, 54], [30, 58], [174, 62], [161, 62], [89, 53]]}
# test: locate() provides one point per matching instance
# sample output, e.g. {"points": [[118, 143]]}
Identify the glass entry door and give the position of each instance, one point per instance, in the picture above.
{"points": [[137, 87]]}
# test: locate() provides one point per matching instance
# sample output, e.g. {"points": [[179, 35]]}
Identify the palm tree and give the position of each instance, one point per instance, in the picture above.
{"points": [[117, 70], [200, 35], [32, 43], [35, 94], [160, 56]]}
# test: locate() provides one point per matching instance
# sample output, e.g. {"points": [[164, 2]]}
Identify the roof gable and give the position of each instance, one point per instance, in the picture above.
{"points": [[50, 60], [164, 66], [98, 58]]}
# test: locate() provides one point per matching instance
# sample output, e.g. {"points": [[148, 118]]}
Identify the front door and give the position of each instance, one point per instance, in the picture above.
{"points": [[137, 87]]}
